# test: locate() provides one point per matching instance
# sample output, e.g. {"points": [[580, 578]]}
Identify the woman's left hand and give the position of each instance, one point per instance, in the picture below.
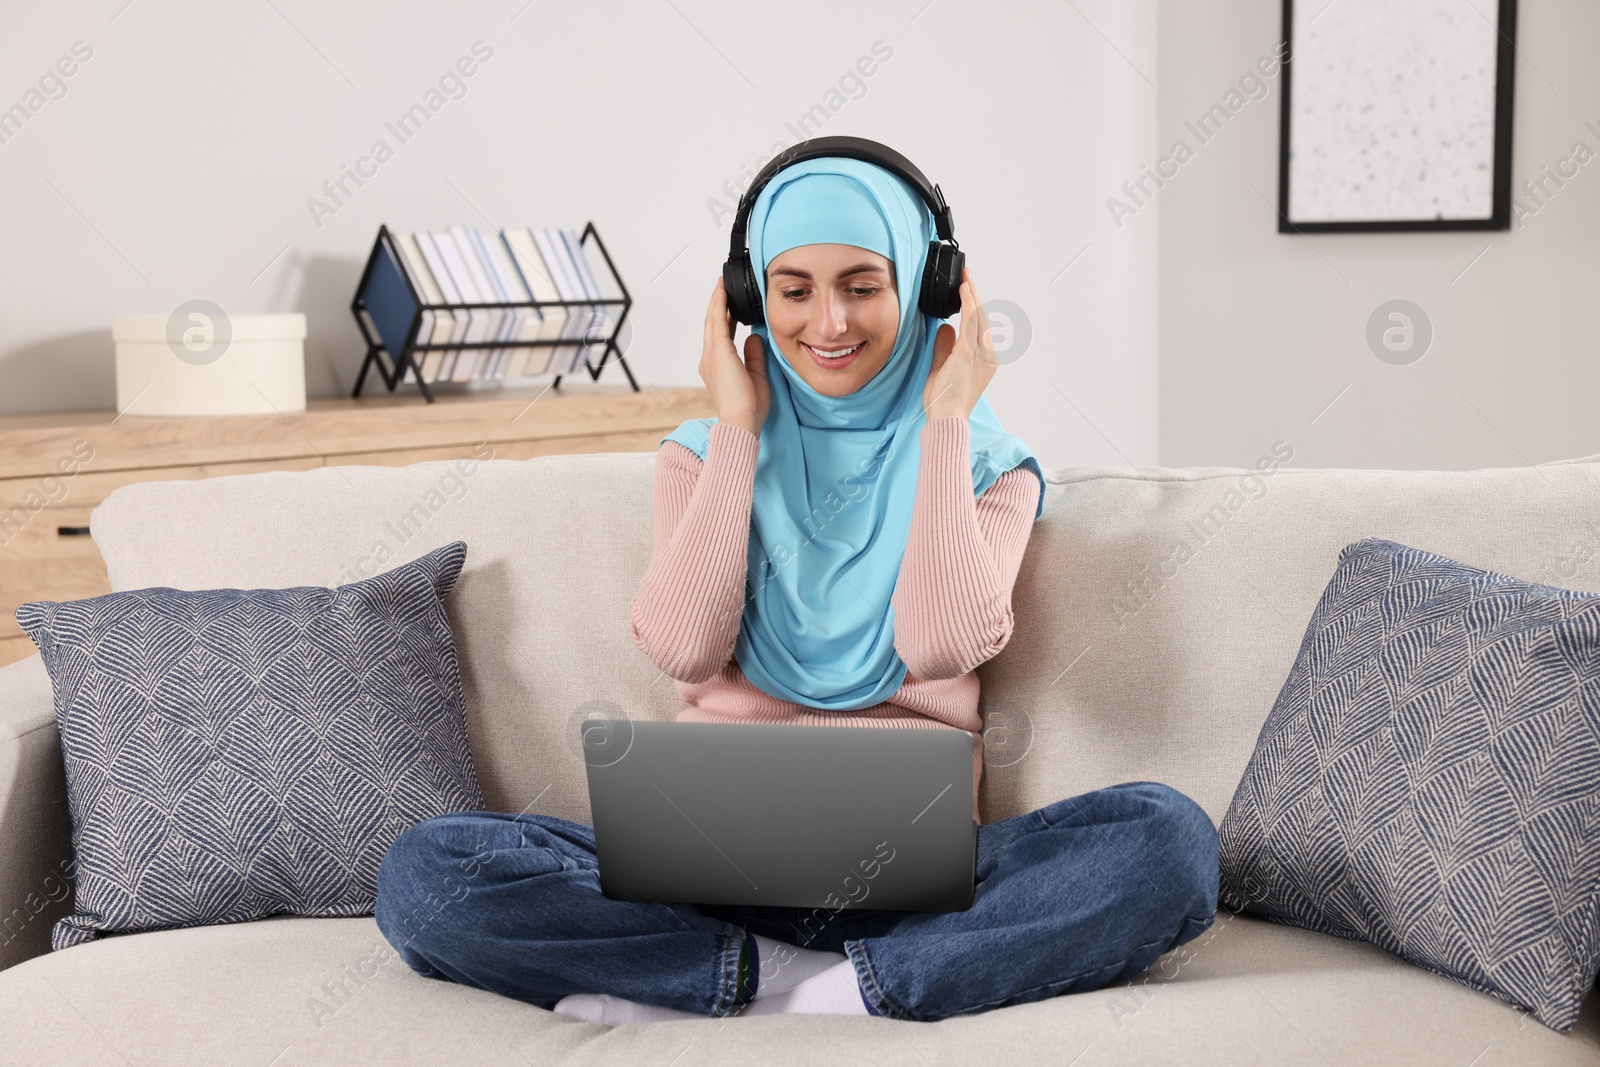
{"points": [[964, 362]]}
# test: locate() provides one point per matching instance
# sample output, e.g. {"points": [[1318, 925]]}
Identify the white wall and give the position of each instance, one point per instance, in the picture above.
{"points": [[179, 162], [1260, 331]]}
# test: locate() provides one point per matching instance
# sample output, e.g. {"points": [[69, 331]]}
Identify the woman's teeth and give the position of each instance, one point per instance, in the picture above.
{"points": [[838, 353]]}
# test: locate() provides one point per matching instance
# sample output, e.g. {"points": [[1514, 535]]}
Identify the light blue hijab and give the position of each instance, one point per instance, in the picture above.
{"points": [[836, 476]]}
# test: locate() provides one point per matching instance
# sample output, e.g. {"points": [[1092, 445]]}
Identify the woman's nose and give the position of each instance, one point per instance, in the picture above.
{"points": [[831, 318]]}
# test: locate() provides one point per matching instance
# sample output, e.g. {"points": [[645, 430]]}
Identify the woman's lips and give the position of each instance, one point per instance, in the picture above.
{"points": [[833, 363]]}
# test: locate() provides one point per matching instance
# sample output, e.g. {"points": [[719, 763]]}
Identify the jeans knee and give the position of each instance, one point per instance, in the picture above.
{"points": [[1189, 842], [430, 870], [412, 881]]}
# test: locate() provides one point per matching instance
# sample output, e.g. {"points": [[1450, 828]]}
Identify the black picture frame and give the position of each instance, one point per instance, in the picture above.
{"points": [[1505, 77]]}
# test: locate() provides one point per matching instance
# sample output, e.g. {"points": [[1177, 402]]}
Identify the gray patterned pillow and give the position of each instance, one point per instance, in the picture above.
{"points": [[1429, 778], [233, 754]]}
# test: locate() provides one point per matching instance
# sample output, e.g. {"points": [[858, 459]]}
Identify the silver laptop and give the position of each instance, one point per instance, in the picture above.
{"points": [[788, 816]]}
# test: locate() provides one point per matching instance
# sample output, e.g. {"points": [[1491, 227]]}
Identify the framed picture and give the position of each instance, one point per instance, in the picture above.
{"points": [[1396, 116]]}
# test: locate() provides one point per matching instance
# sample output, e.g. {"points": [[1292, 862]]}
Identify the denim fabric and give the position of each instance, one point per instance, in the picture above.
{"points": [[1071, 897]]}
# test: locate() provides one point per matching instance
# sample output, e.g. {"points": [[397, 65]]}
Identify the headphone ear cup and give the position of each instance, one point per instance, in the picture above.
{"points": [[744, 298], [941, 280]]}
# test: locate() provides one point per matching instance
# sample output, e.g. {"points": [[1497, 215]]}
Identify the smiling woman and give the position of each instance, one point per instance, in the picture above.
{"points": [[834, 314], [828, 239], [784, 589]]}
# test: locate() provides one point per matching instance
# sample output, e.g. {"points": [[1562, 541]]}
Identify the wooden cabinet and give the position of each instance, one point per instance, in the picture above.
{"points": [[55, 468]]}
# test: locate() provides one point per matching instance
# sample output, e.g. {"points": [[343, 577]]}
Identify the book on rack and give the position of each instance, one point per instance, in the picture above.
{"points": [[484, 322], [441, 371], [555, 258], [437, 326], [525, 256], [522, 323], [387, 309], [597, 327]]}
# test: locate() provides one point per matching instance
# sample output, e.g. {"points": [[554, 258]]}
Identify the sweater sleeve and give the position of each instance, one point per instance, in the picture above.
{"points": [[952, 602], [686, 613]]}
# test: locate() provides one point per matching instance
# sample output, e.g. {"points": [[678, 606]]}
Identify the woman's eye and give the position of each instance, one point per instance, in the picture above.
{"points": [[859, 291]]}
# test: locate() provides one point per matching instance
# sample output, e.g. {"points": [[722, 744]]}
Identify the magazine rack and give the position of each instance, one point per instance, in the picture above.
{"points": [[388, 311]]}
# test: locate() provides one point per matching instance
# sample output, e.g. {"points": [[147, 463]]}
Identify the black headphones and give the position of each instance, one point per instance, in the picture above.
{"points": [[940, 294]]}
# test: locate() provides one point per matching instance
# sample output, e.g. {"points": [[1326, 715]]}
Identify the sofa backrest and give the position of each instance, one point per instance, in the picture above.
{"points": [[1158, 611]]}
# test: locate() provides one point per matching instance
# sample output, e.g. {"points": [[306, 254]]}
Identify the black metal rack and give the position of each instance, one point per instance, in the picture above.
{"points": [[394, 373]]}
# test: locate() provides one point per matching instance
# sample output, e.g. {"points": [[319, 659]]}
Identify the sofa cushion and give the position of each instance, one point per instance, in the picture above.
{"points": [[1429, 778], [232, 754], [1157, 610], [35, 829], [297, 991]]}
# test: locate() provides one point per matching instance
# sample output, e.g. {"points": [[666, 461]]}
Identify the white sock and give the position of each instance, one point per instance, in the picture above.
{"points": [[781, 966], [784, 985], [835, 991], [614, 1011]]}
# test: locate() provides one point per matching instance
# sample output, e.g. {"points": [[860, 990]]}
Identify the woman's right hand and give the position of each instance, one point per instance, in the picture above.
{"points": [[739, 388]]}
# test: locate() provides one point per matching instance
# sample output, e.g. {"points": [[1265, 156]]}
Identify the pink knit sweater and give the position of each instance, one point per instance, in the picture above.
{"points": [[952, 602]]}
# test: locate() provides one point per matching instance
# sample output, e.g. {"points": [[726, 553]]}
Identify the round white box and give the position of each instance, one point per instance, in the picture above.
{"points": [[261, 369]]}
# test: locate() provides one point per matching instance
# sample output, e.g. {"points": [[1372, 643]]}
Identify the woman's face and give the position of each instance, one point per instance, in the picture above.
{"points": [[826, 299]]}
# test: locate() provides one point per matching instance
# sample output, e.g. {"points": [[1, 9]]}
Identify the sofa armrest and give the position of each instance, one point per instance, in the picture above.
{"points": [[35, 824]]}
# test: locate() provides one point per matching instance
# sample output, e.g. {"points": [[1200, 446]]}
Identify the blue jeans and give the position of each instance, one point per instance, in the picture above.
{"points": [[1071, 897]]}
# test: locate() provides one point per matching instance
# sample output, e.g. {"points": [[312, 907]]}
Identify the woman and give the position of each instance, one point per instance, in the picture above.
{"points": [[837, 547]]}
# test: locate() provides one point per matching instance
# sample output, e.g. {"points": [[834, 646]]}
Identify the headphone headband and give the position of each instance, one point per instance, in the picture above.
{"points": [[940, 285], [851, 148]]}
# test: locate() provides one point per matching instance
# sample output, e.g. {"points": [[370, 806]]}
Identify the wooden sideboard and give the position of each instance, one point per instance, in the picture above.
{"points": [[55, 468]]}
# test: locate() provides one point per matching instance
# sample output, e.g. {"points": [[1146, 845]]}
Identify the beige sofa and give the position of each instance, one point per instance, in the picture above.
{"points": [[1131, 660]]}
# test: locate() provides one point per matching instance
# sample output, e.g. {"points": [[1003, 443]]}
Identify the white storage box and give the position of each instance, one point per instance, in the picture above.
{"points": [[202, 361]]}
